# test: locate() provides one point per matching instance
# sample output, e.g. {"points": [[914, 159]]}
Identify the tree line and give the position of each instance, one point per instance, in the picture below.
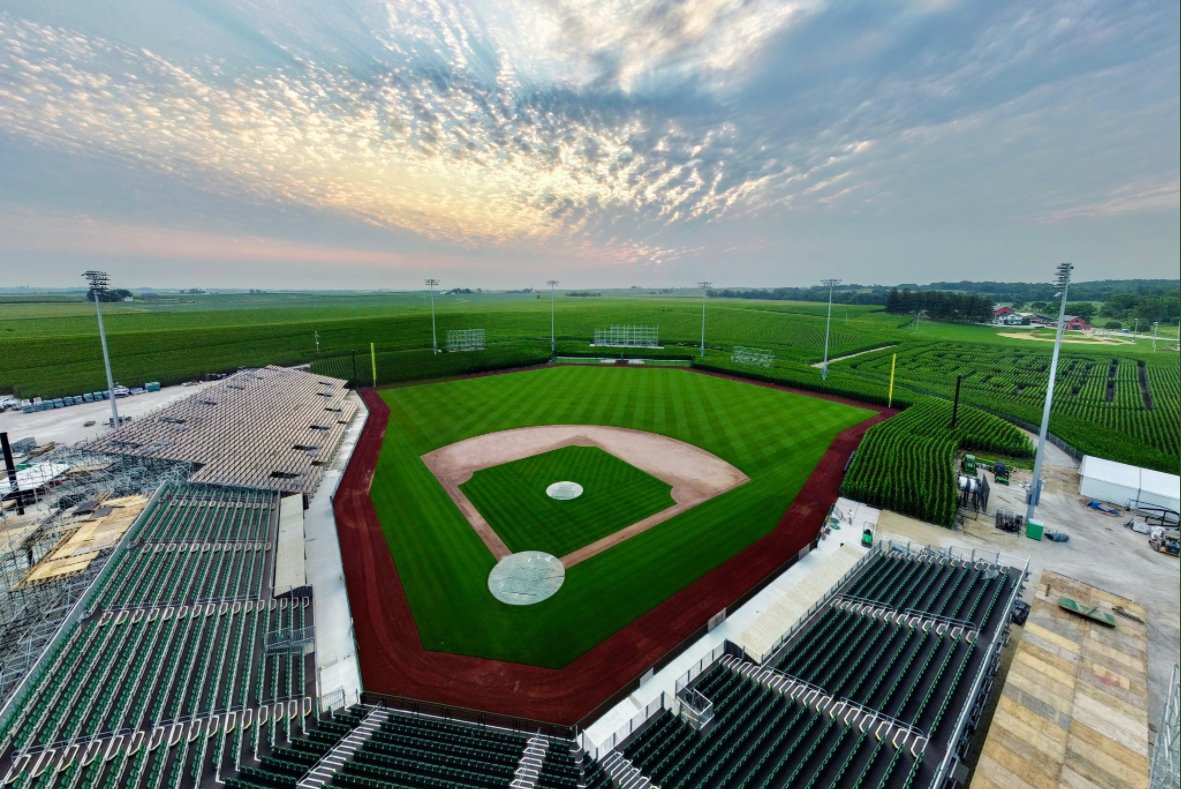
{"points": [[940, 305]]}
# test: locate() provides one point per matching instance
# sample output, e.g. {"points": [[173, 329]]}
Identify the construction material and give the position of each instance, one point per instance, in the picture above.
{"points": [[1092, 612]]}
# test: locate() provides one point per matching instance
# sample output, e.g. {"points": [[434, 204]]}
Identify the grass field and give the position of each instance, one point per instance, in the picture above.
{"points": [[615, 494], [50, 349], [775, 437]]}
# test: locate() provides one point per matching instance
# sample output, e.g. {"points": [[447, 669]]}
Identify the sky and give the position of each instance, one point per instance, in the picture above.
{"points": [[372, 143]]}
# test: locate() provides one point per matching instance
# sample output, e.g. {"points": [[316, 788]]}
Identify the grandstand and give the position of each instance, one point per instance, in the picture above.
{"points": [[273, 428], [877, 686], [177, 659]]}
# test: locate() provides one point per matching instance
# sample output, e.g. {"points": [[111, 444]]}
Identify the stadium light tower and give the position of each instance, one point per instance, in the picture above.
{"points": [[553, 339], [1155, 327], [1035, 487], [704, 285], [432, 284], [832, 283], [99, 284]]}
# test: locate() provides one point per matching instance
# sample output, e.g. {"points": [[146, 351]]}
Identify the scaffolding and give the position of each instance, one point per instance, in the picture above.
{"points": [[31, 613], [751, 357], [1166, 767], [628, 337], [465, 340]]}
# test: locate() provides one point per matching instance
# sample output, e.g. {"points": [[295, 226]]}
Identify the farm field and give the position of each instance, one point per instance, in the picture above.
{"points": [[906, 464], [1106, 402], [775, 437], [512, 498], [50, 349]]}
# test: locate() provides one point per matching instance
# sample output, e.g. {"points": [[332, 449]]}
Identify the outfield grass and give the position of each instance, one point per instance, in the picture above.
{"points": [[775, 437], [615, 494]]}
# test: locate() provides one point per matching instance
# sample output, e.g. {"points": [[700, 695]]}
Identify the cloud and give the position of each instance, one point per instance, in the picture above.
{"points": [[1141, 197], [608, 131]]}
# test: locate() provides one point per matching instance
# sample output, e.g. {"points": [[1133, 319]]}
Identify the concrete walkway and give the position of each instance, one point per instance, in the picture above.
{"points": [[337, 670]]}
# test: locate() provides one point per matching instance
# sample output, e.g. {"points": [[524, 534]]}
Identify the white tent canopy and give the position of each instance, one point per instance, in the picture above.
{"points": [[1126, 485]]}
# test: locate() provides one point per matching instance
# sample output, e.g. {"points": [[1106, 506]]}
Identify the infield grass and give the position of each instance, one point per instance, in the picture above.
{"points": [[775, 437], [615, 494]]}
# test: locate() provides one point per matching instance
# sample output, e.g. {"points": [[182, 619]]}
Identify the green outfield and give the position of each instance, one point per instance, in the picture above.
{"points": [[512, 498], [775, 437]]}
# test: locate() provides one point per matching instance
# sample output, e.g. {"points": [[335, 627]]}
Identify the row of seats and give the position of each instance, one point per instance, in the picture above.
{"points": [[761, 739], [932, 584], [134, 671], [899, 680], [198, 543]]}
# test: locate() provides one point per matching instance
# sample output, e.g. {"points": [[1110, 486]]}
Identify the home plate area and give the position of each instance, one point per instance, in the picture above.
{"points": [[525, 578]]}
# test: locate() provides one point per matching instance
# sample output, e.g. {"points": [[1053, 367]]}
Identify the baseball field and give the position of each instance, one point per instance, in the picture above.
{"points": [[775, 438]]}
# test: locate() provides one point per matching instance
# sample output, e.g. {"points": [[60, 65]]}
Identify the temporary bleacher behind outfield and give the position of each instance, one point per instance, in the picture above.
{"points": [[874, 688], [270, 428], [165, 679]]}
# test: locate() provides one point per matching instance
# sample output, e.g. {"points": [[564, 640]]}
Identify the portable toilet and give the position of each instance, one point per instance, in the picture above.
{"points": [[1034, 530]]}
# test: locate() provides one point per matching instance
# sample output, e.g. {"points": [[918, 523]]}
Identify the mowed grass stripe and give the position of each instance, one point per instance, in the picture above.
{"points": [[512, 498], [775, 437]]}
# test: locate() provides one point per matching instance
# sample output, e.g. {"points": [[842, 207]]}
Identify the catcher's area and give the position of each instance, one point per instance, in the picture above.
{"points": [[693, 474]]}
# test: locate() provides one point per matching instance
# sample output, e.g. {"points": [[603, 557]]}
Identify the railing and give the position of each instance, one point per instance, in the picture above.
{"points": [[947, 765], [695, 707], [450, 712], [698, 668]]}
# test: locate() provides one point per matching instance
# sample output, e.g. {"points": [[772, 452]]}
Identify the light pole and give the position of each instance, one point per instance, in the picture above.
{"points": [[432, 284], [1035, 487], [553, 339], [99, 284], [1155, 326], [832, 283], [704, 293]]}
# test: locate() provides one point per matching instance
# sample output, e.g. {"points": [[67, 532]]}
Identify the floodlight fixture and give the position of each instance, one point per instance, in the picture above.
{"points": [[831, 283], [432, 284], [704, 285], [553, 339], [99, 284], [1062, 281]]}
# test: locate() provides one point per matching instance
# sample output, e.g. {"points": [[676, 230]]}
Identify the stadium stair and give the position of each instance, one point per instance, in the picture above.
{"points": [[532, 761], [322, 772], [623, 773]]}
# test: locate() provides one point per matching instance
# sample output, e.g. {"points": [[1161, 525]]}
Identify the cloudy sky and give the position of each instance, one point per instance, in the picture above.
{"points": [[370, 143]]}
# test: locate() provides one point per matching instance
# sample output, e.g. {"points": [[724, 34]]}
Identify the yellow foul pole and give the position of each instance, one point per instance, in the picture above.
{"points": [[373, 361], [890, 399]]}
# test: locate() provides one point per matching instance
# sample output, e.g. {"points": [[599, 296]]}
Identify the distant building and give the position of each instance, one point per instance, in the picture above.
{"points": [[1037, 319], [1001, 312], [1075, 323], [1012, 319]]}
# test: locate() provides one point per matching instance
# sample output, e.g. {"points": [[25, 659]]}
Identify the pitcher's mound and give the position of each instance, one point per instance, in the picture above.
{"points": [[527, 577], [564, 491]]}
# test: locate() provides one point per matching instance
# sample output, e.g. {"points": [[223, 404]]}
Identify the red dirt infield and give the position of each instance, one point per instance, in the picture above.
{"points": [[394, 662]]}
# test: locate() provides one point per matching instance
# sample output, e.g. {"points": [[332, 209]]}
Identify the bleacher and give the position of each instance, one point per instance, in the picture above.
{"points": [[164, 677], [867, 691], [269, 428]]}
